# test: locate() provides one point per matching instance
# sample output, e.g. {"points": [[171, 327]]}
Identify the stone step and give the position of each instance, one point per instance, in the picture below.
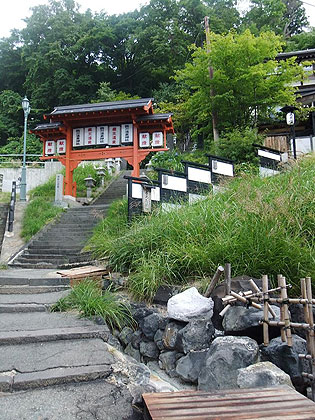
{"points": [[48, 248], [35, 365], [7, 290], [48, 257], [22, 308], [52, 251], [48, 265], [36, 281], [53, 334]]}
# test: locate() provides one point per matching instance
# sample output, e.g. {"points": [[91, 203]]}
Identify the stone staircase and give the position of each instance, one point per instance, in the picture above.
{"points": [[60, 244]]}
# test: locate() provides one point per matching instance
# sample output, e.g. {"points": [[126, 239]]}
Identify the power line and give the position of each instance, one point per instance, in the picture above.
{"points": [[309, 4]]}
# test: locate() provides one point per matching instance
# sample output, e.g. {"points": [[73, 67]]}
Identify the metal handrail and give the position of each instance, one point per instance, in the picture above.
{"points": [[12, 207]]}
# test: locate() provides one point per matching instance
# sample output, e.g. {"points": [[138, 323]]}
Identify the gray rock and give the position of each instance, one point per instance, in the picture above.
{"points": [[149, 350], [113, 341], [158, 339], [188, 367], [168, 361], [197, 335], [126, 335], [189, 304], [170, 335], [150, 324], [239, 318], [225, 356], [262, 374], [163, 322], [136, 339], [132, 352], [287, 358], [140, 312]]}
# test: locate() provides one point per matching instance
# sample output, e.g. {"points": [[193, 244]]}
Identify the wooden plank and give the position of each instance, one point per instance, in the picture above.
{"points": [[262, 403], [83, 271]]}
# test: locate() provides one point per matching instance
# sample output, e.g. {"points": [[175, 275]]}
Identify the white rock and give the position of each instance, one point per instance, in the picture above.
{"points": [[189, 304]]}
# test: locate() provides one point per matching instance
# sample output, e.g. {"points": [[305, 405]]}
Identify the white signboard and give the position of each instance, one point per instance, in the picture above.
{"points": [[222, 168], [114, 135], [269, 155], [126, 133], [144, 139], [89, 136], [102, 135], [199, 175], [176, 183], [50, 147], [61, 146], [156, 194], [157, 139], [77, 137], [136, 191]]}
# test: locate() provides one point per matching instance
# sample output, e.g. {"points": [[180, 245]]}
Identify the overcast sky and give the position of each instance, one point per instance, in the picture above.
{"points": [[12, 12]]}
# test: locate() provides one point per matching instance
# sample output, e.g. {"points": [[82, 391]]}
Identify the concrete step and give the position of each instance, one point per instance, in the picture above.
{"points": [[47, 257], [22, 308], [8, 289], [53, 334], [36, 365], [36, 281], [52, 251], [50, 248], [49, 265]]}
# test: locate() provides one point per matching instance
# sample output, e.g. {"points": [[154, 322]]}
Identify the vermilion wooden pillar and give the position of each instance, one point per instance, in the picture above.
{"points": [[136, 159], [69, 172]]}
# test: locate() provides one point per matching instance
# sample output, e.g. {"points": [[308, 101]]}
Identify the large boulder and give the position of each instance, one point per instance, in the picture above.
{"points": [[188, 305], [188, 367], [225, 356], [197, 335], [287, 358], [262, 374], [239, 318]]}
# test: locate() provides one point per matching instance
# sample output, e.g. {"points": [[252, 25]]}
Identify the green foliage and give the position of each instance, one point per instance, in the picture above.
{"points": [[89, 300], [167, 160], [10, 112], [248, 82], [237, 145], [82, 172], [106, 94], [259, 225], [15, 146], [303, 41]]}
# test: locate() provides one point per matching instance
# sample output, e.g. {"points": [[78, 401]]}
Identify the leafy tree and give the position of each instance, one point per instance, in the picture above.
{"points": [[302, 41], [248, 82], [106, 94], [10, 115]]}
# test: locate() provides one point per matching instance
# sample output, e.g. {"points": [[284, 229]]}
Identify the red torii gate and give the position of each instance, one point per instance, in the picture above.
{"points": [[63, 120]]}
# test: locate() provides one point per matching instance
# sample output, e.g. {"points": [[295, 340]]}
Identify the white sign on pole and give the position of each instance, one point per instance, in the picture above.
{"points": [[89, 136], [61, 146], [59, 188], [102, 135], [114, 135], [77, 137], [126, 133], [144, 139], [50, 147]]}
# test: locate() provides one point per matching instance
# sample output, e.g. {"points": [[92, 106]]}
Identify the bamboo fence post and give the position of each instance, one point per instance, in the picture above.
{"points": [[311, 334], [284, 296], [283, 335], [266, 309], [256, 288], [227, 275], [306, 314], [214, 281]]}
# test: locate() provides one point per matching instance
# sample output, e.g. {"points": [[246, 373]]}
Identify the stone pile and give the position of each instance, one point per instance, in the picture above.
{"points": [[191, 349]]}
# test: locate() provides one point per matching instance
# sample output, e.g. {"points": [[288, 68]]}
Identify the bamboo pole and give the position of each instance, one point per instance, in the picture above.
{"points": [[244, 300], [284, 296], [224, 311], [214, 281], [227, 275], [266, 309], [292, 324], [283, 335], [256, 288], [311, 334]]}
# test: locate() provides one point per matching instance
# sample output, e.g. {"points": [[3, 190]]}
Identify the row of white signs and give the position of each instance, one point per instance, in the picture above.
{"points": [[105, 136], [114, 135]]}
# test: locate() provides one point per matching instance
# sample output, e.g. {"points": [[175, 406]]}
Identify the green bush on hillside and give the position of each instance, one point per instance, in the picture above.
{"points": [[259, 225]]}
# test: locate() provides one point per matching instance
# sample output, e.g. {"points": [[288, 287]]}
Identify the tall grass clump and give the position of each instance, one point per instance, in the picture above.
{"points": [[259, 225], [90, 301]]}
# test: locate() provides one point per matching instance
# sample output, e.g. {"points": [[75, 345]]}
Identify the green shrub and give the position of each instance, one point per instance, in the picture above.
{"points": [[89, 300], [82, 172], [259, 225]]}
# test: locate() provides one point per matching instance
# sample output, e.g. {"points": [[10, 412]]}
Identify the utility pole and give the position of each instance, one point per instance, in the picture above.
{"points": [[214, 116]]}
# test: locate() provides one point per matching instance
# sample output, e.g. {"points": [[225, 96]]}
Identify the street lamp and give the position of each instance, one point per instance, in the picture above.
{"points": [[26, 109], [290, 118]]}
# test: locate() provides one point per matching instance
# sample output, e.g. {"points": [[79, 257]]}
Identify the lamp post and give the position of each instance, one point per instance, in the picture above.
{"points": [[26, 109], [290, 119]]}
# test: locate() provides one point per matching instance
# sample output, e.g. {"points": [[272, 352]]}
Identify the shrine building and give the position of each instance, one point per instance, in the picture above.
{"points": [[121, 129]]}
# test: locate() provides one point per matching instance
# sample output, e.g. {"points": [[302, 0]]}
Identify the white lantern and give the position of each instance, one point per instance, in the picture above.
{"points": [[144, 140], [50, 147], [114, 135], [102, 135], [290, 118], [126, 133], [89, 136], [157, 139], [61, 146], [77, 137]]}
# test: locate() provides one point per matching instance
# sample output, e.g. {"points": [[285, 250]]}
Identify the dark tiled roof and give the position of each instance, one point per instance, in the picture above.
{"points": [[154, 117], [102, 106], [48, 126], [303, 54]]}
